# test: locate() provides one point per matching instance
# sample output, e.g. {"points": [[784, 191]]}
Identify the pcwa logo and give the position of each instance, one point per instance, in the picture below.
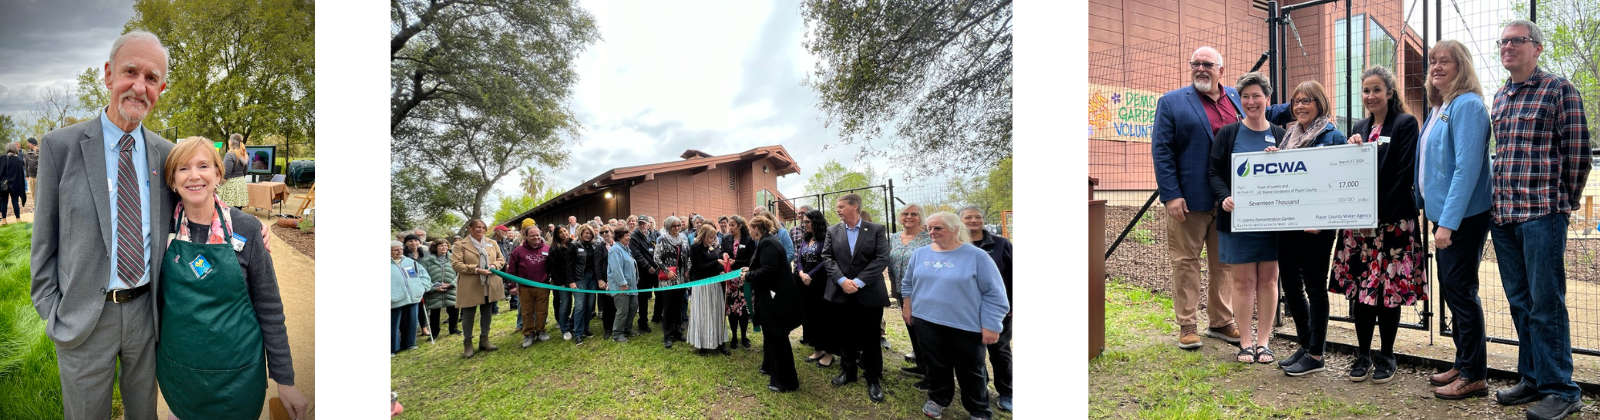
{"points": [[1270, 168]]}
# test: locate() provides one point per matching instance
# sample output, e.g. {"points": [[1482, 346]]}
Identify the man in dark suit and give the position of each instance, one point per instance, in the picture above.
{"points": [[855, 258], [99, 227], [1186, 119]]}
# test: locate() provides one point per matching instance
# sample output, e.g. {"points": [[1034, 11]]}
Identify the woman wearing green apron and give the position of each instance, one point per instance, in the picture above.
{"points": [[220, 309]]}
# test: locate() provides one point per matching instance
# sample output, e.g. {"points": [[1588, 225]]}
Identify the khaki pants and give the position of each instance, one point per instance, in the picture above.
{"points": [[535, 308], [1184, 241]]}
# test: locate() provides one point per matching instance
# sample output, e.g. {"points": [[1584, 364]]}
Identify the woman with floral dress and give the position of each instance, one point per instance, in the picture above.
{"points": [[817, 330], [1381, 269]]}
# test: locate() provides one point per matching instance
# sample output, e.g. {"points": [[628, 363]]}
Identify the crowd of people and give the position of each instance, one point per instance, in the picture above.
{"points": [[1522, 188], [829, 281]]}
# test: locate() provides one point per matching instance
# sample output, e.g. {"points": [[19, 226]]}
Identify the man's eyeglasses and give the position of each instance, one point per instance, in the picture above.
{"points": [[1207, 65], [1514, 41]]}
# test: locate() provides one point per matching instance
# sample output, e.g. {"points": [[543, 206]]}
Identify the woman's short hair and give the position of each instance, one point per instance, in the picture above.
{"points": [[670, 222], [1398, 100], [186, 149], [1466, 78], [706, 235], [589, 230], [396, 244], [433, 246], [619, 235], [475, 223], [952, 222], [1255, 78], [12, 148], [1312, 89], [762, 224]]}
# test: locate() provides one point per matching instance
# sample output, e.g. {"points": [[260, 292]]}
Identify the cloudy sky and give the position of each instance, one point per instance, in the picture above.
{"points": [[47, 42], [722, 77]]}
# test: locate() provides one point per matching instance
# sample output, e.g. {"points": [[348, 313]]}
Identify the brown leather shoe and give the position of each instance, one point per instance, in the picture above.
{"points": [[1444, 378], [1228, 333], [1461, 389], [1187, 338]]}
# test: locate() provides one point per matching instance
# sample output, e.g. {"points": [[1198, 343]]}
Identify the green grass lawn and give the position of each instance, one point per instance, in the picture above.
{"points": [[637, 379], [30, 386], [1142, 375]]}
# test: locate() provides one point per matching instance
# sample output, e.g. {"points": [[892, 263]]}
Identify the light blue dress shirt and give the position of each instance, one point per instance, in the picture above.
{"points": [[141, 167], [851, 232]]}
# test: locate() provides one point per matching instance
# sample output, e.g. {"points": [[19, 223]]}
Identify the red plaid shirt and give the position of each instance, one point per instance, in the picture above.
{"points": [[1542, 151]]}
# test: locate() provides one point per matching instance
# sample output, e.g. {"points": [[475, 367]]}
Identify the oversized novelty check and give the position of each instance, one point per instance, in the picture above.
{"points": [[1333, 187]]}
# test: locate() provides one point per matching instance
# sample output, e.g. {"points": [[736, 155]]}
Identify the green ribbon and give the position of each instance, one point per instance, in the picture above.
{"points": [[713, 280]]}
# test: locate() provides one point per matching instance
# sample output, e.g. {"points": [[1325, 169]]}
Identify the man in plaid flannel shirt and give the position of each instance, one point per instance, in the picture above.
{"points": [[1542, 157]]}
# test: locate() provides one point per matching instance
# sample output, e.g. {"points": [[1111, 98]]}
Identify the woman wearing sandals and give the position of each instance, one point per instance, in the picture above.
{"points": [[1252, 256], [1381, 269]]}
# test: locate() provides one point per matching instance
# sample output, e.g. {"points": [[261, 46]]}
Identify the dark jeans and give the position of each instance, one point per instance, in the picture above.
{"points": [[954, 356], [563, 302], [860, 341], [777, 357], [583, 306], [1535, 279], [1303, 260], [433, 319], [402, 328], [672, 316], [1000, 357], [644, 306], [1458, 280]]}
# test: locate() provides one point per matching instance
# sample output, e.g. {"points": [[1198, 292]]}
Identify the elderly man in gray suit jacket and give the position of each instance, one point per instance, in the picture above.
{"points": [[102, 212], [855, 258]]}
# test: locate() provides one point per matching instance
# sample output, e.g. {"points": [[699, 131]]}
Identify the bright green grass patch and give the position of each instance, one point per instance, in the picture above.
{"points": [[1141, 375], [637, 379], [30, 386]]}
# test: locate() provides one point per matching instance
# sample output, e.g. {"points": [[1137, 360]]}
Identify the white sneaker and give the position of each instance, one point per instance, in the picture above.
{"points": [[566, 336], [544, 337]]}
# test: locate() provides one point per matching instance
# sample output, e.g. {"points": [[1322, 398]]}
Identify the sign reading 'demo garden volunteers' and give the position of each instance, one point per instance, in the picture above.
{"points": [[1121, 114], [1320, 188]]}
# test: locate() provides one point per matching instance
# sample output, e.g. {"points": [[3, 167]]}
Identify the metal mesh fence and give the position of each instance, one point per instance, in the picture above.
{"points": [[1314, 44]]}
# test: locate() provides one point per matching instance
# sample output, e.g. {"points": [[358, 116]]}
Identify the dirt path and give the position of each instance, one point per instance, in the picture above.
{"points": [[297, 286]]}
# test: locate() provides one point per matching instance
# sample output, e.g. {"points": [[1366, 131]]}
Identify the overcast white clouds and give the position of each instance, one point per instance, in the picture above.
{"points": [[721, 77], [47, 42]]}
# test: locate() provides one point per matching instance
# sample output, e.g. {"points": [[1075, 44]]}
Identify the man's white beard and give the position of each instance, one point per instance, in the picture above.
{"points": [[1203, 87]]}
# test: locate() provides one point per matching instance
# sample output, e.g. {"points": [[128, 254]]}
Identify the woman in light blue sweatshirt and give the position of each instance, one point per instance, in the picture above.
{"points": [[622, 275], [955, 300], [407, 281], [1453, 191]]}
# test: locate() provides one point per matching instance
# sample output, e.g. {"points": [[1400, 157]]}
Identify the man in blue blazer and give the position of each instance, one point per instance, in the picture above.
{"points": [[1185, 121]]}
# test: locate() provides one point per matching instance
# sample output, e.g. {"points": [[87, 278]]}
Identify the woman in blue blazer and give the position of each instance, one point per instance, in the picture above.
{"points": [[1453, 191]]}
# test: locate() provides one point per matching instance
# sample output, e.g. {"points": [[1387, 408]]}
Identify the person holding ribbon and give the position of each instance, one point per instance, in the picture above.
{"points": [[477, 287], [220, 308], [772, 279], [707, 302], [532, 261], [736, 249]]}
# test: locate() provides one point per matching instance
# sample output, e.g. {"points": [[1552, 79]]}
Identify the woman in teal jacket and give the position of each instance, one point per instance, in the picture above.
{"points": [[407, 280], [1453, 191], [622, 275]]}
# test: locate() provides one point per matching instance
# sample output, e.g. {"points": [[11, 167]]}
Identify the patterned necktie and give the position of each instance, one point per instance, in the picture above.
{"points": [[130, 247]]}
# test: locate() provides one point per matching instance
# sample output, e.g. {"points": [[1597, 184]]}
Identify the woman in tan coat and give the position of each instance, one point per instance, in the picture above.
{"points": [[475, 285]]}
